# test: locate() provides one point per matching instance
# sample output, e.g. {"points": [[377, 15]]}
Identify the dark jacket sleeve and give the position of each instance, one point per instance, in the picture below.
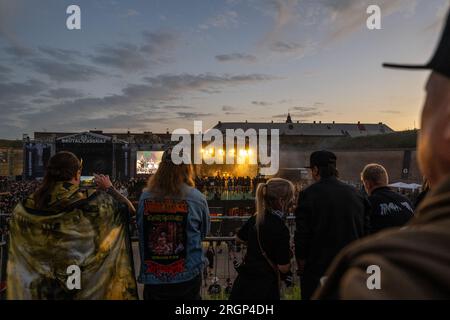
{"points": [[303, 234], [368, 214], [244, 230]]}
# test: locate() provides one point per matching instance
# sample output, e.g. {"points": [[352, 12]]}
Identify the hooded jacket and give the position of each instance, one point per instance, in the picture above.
{"points": [[75, 228], [413, 262]]}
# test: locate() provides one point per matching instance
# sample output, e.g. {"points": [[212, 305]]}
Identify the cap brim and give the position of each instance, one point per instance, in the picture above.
{"points": [[407, 66]]}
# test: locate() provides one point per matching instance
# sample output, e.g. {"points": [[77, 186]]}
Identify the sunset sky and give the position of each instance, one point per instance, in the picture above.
{"points": [[156, 65]]}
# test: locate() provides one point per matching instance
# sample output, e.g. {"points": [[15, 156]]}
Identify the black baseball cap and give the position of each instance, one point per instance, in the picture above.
{"points": [[322, 158], [441, 59]]}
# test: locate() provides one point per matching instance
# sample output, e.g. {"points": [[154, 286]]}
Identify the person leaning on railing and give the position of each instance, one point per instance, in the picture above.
{"points": [[173, 219], [268, 244], [62, 230]]}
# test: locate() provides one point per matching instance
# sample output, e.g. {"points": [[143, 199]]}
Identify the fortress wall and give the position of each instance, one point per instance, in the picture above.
{"points": [[351, 162]]}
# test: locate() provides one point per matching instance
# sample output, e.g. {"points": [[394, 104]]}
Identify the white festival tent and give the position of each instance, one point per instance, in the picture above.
{"points": [[402, 185]]}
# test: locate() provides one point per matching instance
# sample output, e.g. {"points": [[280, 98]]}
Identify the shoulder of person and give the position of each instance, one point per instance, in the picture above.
{"points": [[192, 194], [310, 189], [394, 253], [399, 241], [145, 195], [351, 189], [403, 197], [96, 196]]}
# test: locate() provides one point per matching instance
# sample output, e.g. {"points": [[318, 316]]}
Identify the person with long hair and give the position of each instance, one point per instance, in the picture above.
{"points": [[173, 219], [268, 244], [67, 242]]}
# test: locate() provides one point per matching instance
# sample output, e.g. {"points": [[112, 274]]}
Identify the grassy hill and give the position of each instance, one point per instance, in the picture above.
{"points": [[396, 140]]}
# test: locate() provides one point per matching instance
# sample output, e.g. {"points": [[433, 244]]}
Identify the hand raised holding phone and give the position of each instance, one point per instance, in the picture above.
{"points": [[102, 181]]}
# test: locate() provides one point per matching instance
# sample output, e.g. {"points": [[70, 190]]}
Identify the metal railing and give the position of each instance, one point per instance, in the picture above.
{"points": [[218, 276], [4, 217]]}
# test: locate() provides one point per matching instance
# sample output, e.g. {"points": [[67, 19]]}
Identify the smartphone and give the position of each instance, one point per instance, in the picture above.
{"points": [[87, 181]]}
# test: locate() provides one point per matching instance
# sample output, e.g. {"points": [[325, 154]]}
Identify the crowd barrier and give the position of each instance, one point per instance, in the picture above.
{"points": [[3, 252], [218, 276]]}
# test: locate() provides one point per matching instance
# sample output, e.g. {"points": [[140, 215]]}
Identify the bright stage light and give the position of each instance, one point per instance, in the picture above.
{"points": [[243, 153]]}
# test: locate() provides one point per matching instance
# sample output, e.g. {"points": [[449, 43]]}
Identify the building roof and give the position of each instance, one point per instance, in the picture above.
{"points": [[145, 137], [311, 129]]}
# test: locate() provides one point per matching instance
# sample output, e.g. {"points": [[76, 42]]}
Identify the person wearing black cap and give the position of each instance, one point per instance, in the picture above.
{"points": [[414, 261], [330, 214]]}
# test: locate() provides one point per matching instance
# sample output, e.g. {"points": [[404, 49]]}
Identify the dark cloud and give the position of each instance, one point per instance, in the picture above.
{"points": [[4, 69], [236, 57], [11, 108], [62, 93], [4, 72], [203, 82], [390, 111], [136, 121], [131, 57], [300, 115], [139, 121], [138, 99], [61, 54], [287, 47], [262, 103], [158, 42], [18, 90], [60, 71], [41, 101], [225, 20], [123, 56], [193, 115], [304, 112], [232, 113], [19, 52], [304, 109], [227, 108], [9, 121], [176, 107]]}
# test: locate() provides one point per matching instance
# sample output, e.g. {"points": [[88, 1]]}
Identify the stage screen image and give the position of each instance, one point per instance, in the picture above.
{"points": [[147, 162]]}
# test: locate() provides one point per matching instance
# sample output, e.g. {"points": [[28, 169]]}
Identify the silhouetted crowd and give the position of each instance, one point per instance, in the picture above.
{"points": [[12, 192]]}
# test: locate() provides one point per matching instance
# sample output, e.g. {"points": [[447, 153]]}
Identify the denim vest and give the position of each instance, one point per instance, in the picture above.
{"points": [[197, 227]]}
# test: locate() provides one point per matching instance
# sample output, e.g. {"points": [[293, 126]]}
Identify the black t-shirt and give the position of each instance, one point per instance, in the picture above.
{"points": [[275, 241]]}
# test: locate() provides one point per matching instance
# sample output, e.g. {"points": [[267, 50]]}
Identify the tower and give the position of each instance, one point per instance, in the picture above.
{"points": [[289, 120]]}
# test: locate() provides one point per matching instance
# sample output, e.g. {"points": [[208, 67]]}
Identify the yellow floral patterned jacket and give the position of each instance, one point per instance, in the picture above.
{"points": [[81, 228]]}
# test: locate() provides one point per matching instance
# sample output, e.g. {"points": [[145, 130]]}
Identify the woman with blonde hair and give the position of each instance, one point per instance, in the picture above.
{"points": [[268, 243], [173, 219]]}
